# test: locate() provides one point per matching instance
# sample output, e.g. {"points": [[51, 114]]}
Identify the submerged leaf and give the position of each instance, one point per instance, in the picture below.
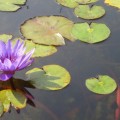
{"points": [[101, 85], [48, 30], [52, 77], [93, 33], [11, 5], [74, 3], [85, 12], [115, 3]]}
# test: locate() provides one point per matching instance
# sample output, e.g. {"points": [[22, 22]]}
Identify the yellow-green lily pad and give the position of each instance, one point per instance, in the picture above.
{"points": [[40, 50], [14, 97], [101, 85], [93, 33], [85, 12], [74, 3], [48, 30], [115, 3], [51, 77], [85, 1], [11, 5], [5, 37]]}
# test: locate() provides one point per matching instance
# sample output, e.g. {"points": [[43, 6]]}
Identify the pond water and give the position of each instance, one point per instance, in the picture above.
{"points": [[82, 60]]}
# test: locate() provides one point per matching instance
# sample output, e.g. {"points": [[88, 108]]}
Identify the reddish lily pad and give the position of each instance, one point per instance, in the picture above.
{"points": [[48, 30], [51, 77]]}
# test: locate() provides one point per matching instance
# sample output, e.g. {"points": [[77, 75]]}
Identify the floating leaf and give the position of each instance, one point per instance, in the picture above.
{"points": [[101, 85], [11, 5], [16, 98], [40, 50], [85, 1], [115, 3], [85, 12], [51, 77], [68, 3], [93, 33], [1, 109], [5, 37], [74, 3], [48, 30]]}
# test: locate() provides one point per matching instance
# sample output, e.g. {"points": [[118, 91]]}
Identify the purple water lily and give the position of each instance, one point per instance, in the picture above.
{"points": [[13, 59]]}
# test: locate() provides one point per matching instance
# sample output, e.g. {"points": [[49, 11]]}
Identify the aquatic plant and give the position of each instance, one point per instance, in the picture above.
{"points": [[12, 58]]}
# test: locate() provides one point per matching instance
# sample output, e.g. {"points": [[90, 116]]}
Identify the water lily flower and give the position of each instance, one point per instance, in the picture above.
{"points": [[13, 58]]}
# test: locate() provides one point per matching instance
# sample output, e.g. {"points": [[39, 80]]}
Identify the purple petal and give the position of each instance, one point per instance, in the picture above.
{"points": [[26, 58], [26, 64], [2, 50], [8, 48], [8, 65], [18, 48], [4, 76]]}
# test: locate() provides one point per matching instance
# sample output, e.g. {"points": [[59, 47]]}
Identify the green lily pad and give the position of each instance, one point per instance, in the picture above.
{"points": [[101, 85], [16, 98], [85, 12], [74, 3], [51, 77], [93, 33], [11, 5], [48, 30], [5, 37]]}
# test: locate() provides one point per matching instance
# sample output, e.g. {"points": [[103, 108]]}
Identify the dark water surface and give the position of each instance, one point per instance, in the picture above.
{"points": [[82, 60]]}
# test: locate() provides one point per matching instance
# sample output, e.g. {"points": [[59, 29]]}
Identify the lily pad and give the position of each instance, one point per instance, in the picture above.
{"points": [[40, 50], [51, 77], [101, 85], [93, 33], [115, 3], [85, 1], [74, 3], [68, 3], [11, 5], [48, 30], [5, 37], [85, 12], [16, 98]]}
